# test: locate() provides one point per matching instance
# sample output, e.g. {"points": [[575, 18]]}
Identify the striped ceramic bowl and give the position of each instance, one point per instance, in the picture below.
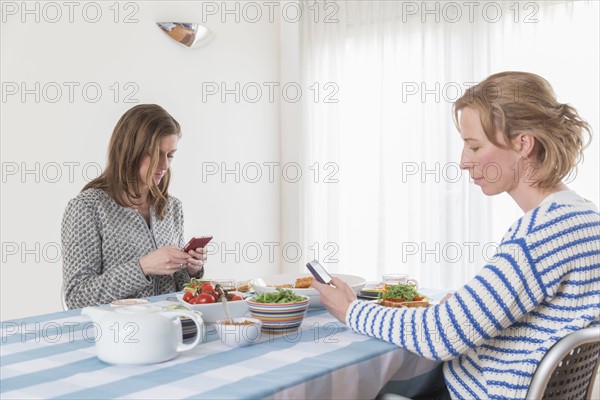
{"points": [[279, 317]]}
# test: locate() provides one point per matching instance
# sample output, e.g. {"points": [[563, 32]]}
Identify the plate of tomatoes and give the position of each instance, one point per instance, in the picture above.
{"points": [[205, 296]]}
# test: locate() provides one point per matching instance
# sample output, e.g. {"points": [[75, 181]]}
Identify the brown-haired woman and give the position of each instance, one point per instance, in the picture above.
{"points": [[123, 233], [542, 283]]}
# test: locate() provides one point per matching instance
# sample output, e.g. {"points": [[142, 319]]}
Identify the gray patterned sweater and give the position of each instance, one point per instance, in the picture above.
{"points": [[102, 243]]}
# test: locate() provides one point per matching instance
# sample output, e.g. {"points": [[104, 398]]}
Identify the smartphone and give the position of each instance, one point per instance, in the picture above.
{"points": [[196, 242], [319, 272]]}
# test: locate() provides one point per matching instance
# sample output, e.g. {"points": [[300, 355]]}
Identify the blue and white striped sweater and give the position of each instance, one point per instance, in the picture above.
{"points": [[543, 283]]}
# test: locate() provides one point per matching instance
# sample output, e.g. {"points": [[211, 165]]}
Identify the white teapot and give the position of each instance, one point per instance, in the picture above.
{"points": [[140, 334]]}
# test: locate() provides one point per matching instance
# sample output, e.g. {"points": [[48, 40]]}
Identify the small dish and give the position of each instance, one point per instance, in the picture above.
{"points": [[370, 294], [226, 284], [128, 302], [242, 332]]}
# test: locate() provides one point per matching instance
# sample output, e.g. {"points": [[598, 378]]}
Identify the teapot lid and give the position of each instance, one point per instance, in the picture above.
{"points": [[138, 309]]}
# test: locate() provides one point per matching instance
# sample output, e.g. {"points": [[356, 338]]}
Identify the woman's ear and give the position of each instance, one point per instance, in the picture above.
{"points": [[524, 143]]}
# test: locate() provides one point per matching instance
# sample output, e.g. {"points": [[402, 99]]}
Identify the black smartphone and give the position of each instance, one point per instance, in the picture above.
{"points": [[319, 272], [196, 242]]}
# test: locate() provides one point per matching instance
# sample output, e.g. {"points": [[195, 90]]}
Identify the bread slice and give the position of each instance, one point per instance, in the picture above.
{"points": [[399, 304], [422, 303], [303, 283]]}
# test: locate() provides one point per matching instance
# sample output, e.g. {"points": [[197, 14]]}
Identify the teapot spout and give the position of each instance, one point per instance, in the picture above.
{"points": [[94, 313]]}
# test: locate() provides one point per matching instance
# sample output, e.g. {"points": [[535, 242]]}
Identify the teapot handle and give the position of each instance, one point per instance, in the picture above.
{"points": [[199, 325]]}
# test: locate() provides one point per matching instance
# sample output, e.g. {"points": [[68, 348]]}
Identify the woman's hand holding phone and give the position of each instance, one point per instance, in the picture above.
{"points": [[169, 259], [336, 298], [335, 294], [196, 263], [164, 261], [195, 248]]}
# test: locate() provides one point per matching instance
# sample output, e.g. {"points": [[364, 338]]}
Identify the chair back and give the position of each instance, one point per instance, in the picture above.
{"points": [[569, 368], [63, 298]]}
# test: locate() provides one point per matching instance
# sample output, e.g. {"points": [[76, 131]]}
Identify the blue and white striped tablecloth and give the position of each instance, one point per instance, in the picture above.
{"points": [[53, 356]]}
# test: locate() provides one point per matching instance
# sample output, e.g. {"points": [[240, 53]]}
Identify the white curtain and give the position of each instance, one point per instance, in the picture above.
{"points": [[386, 194]]}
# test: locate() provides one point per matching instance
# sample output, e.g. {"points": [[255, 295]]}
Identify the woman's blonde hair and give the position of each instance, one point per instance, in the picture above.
{"points": [[518, 102], [136, 135]]}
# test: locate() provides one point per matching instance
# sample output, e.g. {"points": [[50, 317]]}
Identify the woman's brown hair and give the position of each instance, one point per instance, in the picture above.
{"points": [[136, 135], [517, 102]]}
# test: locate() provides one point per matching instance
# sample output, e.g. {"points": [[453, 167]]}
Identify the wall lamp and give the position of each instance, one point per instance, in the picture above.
{"points": [[189, 35]]}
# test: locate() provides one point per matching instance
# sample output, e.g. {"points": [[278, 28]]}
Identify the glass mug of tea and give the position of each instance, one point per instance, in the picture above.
{"points": [[398, 279]]}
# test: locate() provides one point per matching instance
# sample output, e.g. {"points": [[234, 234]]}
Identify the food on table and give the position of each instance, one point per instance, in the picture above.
{"points": [[303, 283], [193, 284], [402, 295], [283, 286], [244, 287], [199, 291], [244, 322], [240, 332], [280, 296]]}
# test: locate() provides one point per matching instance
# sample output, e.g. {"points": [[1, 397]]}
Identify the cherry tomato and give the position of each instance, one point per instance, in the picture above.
{"points": [[204, 298], [195, 300], [235, 297], [188, 296], [207, 288], [400, 300]]}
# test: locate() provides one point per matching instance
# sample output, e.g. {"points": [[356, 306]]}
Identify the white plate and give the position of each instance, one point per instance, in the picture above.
{"points": [[262, 285], [215, 311]]}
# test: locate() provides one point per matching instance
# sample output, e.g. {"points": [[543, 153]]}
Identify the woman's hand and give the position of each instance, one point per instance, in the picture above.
{"points": [[336, 299], [164, 261], [195, 263]]}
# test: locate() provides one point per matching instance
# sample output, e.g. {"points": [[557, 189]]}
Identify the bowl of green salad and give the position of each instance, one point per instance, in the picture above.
{"points": [[280, 311]]}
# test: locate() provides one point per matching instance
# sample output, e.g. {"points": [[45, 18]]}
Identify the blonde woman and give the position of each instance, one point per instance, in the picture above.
{"points": [[122, 235], [543, 281]]}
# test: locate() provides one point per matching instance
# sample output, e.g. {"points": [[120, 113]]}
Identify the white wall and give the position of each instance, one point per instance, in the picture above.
{"points": [[69, 137], [52, 134], [574, 79]]}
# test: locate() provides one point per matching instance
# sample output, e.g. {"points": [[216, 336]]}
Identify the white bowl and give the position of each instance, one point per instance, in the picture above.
{"points": [[262, 285], [239, 335], [215, 311]]}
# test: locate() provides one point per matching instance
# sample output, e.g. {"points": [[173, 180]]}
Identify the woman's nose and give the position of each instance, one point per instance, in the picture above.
{"points": [[163, 163], [464, 162]]}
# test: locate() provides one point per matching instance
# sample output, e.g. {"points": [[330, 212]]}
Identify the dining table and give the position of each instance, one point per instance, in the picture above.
{"points": [[54, 356]]}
